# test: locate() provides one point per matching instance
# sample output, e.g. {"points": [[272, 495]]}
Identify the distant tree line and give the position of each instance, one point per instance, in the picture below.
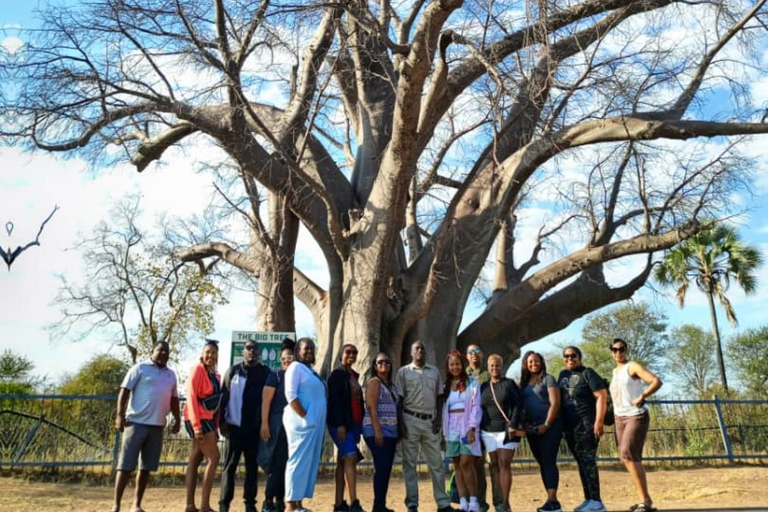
{"points": [[685, 355]]}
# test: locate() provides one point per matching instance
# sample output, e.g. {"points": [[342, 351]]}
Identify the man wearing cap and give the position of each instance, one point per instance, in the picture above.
{"points": [[243, 384], [148, 393]]}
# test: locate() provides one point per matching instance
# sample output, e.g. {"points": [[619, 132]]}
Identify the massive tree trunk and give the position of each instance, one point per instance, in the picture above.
{"points": [[274, 307], [439, 124]]}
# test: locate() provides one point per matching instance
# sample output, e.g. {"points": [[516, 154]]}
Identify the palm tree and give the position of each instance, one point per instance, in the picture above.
{"points": [[711, 259]]}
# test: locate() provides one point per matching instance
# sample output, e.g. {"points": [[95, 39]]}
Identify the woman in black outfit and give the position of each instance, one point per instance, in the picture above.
{"points": [[585, 398], [346, 409], [502, 405], [543, 426]]}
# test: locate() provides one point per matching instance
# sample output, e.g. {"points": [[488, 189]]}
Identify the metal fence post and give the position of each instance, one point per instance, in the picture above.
{"points": [[724, 431]]}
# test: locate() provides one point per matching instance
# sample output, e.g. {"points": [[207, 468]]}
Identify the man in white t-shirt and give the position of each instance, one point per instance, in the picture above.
{"points": [[148, 393]]}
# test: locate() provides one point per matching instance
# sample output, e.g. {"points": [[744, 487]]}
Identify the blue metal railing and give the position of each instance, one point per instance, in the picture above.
{"points": [[49, 431]]}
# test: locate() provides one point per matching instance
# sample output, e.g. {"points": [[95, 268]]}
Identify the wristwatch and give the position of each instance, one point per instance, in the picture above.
{"points": [[546, 424]]}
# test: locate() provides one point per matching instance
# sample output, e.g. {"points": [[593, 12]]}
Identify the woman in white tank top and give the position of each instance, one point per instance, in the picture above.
{"points": [[630, 386]]}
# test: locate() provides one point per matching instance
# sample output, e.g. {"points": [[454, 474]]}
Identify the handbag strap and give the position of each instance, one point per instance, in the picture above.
{"points": [[391, 393], [496, 401]]}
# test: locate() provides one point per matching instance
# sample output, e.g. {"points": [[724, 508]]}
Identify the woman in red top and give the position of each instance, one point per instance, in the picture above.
{"points": [[201, 422]]}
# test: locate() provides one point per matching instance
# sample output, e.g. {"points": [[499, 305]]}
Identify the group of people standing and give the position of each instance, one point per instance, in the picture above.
{"points": [[277, 420]]}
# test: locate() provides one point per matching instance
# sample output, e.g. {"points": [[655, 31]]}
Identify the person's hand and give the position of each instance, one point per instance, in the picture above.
{"points": [[519, 433], [639, 401], [224, 429], [599, 430], [120, 422], [264, 432], [542, 429], [199, 435], [471, 436], [341, 433], [175, 426], [378, 438], [436, 426], [442, 444], [403, 431]]}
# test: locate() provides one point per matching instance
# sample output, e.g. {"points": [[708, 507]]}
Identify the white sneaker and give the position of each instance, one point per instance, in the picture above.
{"points": [[580, 508], [593, 506]]}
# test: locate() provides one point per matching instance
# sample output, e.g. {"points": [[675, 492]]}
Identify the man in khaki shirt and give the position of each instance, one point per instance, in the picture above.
{"points": [[421, 389]]}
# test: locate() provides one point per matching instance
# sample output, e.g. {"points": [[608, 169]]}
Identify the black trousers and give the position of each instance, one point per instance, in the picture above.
{"points": [[582, 442], [276, 474], [544, 448], [245, 442]]}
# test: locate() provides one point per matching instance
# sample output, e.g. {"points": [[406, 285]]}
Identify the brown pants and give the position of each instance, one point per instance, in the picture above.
{"points": [[630, 436]]}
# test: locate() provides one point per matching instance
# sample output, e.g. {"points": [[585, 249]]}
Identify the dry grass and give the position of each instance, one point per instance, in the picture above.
{"points": [[705, 488]]}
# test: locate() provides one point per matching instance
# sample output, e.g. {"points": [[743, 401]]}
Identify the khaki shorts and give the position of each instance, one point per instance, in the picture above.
{"points": [[630, 436], [144, 440]]}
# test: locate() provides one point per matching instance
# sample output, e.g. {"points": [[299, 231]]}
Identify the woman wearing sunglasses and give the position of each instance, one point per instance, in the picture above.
{"points": [[345, 425], [584, 399], [629, 393], [380, 426]]}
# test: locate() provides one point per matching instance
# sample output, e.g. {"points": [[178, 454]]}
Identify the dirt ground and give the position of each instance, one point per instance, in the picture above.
{"points": [[705, 488]]}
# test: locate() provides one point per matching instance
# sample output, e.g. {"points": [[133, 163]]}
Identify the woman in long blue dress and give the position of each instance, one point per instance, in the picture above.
{"points": [[304, 421]]}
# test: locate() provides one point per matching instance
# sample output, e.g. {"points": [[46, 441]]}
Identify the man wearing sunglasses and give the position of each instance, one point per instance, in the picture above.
{"points": [[475, 369], [244, 385]]}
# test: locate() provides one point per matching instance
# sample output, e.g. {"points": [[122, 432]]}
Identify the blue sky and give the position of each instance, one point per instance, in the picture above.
{"points": [[31, 184]]}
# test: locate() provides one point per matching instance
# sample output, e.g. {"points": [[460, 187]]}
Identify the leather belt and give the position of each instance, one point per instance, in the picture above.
{"points": [[419, 415]]}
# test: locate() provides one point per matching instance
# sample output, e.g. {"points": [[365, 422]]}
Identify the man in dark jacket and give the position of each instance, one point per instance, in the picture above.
{"points": [[244, 384]]}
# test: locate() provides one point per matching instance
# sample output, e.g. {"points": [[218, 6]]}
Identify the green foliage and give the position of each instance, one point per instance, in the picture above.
{"points": [[697, 444], [749, 354], [690, 358], [135, 290], [16, 374], [643, 328], [101, 375], [711, 259]]}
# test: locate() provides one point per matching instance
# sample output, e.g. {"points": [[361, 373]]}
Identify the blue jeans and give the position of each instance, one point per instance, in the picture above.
{"points": [[383, 458]]}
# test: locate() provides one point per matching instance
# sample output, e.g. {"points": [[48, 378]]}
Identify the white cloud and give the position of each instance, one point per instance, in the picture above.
{"points": [[11, 44]]}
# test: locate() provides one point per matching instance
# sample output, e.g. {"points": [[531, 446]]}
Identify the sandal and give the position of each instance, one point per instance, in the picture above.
{"points": [[191, 508], [644, 507]]}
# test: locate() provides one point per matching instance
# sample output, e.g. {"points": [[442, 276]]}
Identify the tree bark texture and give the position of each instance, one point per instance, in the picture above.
{"points": [[424, 123]]}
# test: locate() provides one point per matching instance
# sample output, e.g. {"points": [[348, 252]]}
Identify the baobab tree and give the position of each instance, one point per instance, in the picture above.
{"points": [[413, 140]]}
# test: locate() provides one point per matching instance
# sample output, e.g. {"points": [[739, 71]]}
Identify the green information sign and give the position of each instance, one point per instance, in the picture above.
{"points": [[269, 346]]}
